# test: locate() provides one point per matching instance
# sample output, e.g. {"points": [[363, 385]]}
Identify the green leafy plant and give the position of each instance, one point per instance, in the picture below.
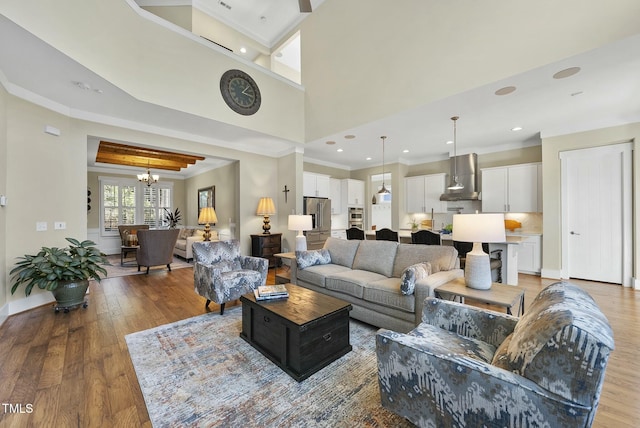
{"points": [[414, 223], [52, 266], [173, 218]]}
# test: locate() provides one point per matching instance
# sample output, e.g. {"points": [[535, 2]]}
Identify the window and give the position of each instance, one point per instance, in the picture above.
{"points": [[127, 201]]}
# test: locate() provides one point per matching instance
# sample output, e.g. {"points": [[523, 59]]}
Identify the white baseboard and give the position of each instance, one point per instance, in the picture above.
{"points": [[551, 273], [4, 313], [33, 301], [635, 283]]}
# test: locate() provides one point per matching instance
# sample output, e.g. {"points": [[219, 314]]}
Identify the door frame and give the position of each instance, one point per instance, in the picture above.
{"points": [[627, 209]]}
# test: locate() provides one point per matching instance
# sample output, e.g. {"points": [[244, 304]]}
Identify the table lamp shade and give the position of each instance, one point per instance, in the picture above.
{"points": [[207, 216], [266, 208], [300, 223], [478, 229]]}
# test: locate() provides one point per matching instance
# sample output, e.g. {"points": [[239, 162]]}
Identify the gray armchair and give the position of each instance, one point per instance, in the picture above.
{"points": [[156, 247], [466, 366], [221, 274]]}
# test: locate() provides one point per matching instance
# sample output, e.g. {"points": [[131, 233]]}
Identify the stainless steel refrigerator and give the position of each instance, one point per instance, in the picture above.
{"points": [[320, 211]]}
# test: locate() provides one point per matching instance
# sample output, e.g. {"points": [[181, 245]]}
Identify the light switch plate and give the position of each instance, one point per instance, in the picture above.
{"points": [[59, 225], [41, 226]]}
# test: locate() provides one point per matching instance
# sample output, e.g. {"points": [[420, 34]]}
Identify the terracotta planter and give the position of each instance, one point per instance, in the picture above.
{"points": [[71, 294]]}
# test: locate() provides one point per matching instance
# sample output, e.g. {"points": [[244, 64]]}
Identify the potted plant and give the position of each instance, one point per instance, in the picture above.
{"points": [[63, 271], [173, 218]]}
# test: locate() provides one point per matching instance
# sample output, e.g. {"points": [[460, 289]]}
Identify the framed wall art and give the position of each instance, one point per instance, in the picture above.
{"points": [[206, 198]]}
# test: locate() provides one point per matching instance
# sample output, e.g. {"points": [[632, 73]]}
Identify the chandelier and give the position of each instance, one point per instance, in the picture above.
{"points": [[148, 178]]}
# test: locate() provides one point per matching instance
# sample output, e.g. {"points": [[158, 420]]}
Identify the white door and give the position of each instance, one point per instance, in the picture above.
{"points": [[596, 213]]}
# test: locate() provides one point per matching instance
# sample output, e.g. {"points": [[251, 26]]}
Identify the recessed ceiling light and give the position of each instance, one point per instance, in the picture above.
{"points": [[340, 150], [405, 151], [243, 50], [330, 143], [368, 159], [505, 91], [82, 85], [449, 142], [517, 128], [349, 137], [567, 72]]}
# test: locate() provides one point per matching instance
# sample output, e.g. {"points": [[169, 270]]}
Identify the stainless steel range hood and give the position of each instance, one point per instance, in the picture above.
{"points": [[467, 170]]}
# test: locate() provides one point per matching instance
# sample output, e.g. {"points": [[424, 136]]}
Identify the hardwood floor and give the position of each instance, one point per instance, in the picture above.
{"points": [[74, 370]]}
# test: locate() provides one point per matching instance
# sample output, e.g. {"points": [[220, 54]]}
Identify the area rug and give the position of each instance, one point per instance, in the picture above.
{"points": [[199, 373], [131, 267]]}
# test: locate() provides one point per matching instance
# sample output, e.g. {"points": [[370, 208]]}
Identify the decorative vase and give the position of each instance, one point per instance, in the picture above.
{"points": [[70, 294]]}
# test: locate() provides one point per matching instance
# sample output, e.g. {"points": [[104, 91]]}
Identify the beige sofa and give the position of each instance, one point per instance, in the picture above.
{"points": [[186, 238], [368, 275]]}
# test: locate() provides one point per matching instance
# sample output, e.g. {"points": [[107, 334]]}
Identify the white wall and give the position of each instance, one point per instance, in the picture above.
{"points": [[46, 180]]}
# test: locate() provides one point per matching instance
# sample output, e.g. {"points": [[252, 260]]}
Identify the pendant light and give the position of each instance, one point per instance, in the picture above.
{"points": [[383, 190], [455, 184]]}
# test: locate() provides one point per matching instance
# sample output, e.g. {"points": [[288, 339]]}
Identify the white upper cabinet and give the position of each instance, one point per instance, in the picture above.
{"points": [[316, 185], [354, 192], [422, 193], [335, 193], [511, 189]]}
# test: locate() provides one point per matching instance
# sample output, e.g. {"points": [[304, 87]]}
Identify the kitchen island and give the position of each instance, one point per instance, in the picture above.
{"points": [[509, 251]]}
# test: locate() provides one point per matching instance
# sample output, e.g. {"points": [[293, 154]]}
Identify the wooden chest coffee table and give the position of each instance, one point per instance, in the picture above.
{"points": [[300, 334]]}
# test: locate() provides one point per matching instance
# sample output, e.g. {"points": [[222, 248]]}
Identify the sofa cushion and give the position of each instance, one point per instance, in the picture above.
{"points": [[376, 256], [441, 257], [351, 282], [412, 274], [455, 343], [386, 292], [563, 328], [342, 251], [185, 233], [316, 274], [181, 244], [304, 259]]}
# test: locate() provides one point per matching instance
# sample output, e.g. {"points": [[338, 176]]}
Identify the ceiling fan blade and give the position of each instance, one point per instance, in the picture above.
{"points": [[305, 6]]}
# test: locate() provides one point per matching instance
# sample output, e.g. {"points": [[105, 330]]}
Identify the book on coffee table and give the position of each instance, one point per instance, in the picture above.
{"points": [[272, 290], [269, 297]]}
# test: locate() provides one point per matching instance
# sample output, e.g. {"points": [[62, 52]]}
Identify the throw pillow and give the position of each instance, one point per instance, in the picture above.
{"points": [[412, 274], [304, 259]]}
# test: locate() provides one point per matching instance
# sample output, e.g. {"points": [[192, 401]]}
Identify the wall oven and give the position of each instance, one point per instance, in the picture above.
{"points": [[356, 217]]}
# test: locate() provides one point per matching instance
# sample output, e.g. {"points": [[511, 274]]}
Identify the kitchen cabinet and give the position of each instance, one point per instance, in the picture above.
{"points": [[422, 193], [335, 194], [530, 255], [315, 185], [353, 192], [511, 189]]}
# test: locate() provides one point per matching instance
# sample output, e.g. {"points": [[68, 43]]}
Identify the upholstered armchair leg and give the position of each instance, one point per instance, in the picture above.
{"points": [[147, 270], [206, 305], [169, 267], [221, 308], [138, 268]]}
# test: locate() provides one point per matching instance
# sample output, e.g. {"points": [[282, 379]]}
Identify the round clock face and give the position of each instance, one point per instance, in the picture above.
{"points": [[240, 92]]}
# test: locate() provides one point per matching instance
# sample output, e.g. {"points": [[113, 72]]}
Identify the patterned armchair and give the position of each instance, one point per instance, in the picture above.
{"points": [[465, 366], [221, 274]]}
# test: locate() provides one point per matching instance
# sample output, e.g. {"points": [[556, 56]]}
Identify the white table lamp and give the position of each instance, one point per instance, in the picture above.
{"points": [[479, 229], [300, 223]]}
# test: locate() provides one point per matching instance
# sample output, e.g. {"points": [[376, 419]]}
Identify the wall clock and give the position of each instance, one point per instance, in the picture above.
{"points": [[240, 92]]}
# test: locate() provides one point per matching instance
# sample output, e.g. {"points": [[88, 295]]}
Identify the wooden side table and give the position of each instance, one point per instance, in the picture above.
{"points": [[266, 246], [284, 275], [506, 296], [125, 249]]}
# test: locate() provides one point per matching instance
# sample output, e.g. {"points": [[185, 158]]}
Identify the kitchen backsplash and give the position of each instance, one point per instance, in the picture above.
{"points": [[531, 222]]}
